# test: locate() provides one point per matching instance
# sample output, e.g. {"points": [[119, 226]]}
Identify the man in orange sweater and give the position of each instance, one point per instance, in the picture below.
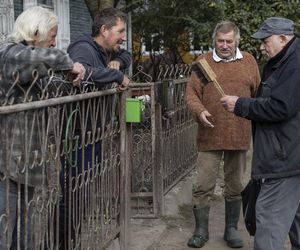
{"points": [[221, 135]]}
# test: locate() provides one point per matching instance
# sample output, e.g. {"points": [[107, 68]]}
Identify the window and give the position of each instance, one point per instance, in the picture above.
{"points": [[46, 3]]}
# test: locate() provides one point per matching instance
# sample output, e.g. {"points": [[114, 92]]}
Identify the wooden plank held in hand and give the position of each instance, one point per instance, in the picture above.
{"points": [[209, 75]]}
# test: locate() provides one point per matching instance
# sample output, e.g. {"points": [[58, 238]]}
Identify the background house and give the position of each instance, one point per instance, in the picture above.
{"points": [[74, 17]]}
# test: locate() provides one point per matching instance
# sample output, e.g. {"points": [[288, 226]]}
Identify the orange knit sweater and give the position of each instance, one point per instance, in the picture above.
{"points": [[241, 78]]}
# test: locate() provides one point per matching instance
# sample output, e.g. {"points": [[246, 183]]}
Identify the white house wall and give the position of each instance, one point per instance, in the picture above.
{"points": [[62, 10], [29, 3], [74, 18], [6, 18]]}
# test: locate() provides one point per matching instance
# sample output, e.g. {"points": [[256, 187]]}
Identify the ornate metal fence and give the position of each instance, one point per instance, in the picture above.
{"points": [[164, 149], [69, 163], [63, 170], [178, 137]]}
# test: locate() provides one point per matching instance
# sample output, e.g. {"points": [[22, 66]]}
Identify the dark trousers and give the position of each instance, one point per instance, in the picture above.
{"points": [[75, 169], [278, 214]]}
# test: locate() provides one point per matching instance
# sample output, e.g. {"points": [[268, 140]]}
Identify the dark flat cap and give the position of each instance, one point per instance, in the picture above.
{"points": [[274, 26]]}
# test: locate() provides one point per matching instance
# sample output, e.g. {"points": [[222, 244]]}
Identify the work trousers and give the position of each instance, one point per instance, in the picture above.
{"points": [[278, 214], [208, 164]]}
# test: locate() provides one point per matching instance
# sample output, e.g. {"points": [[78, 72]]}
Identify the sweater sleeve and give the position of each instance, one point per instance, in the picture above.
{"points": [[193, 96], [24, 60]]}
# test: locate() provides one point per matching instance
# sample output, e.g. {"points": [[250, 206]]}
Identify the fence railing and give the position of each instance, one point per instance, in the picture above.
{"points": [[62, 167], [71, 168], [163, 144]]}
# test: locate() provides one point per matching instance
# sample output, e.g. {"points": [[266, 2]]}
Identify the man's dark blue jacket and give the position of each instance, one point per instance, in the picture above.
{"points": [[95, 59], [275, 113]]}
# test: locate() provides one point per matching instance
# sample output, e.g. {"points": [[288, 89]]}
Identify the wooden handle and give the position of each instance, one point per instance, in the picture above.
{"points": [[210, 75]]}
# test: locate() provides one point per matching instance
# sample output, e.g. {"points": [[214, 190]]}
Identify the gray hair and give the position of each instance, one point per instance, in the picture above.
{"points": [[32, 22], [225, 27]]}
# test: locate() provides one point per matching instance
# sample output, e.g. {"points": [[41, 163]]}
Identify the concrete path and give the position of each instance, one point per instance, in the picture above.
{"points": [[172, 232]]}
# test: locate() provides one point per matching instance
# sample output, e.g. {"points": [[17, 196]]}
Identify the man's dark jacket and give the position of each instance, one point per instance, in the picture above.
{"points": [[95, 59], [276, 115]]}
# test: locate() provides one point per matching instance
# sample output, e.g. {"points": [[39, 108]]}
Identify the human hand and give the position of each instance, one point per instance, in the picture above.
{"points": [[77, 73], [203, 119], [228, 102], [114, 65], [124, 84]]}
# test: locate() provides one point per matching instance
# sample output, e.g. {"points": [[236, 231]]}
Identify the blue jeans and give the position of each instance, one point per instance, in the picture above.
{"points": [[81, 162], [8, 224]]}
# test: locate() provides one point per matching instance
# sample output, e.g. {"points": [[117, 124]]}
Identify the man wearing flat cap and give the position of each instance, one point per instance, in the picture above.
{"points": [[275, 113]]}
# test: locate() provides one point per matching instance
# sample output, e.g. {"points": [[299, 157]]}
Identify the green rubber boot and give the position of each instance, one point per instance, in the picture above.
{"points": [[232, 215], [200, 235]]}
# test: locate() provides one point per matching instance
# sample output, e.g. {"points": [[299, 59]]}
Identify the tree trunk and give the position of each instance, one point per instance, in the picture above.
{"points": [[96, 5]]}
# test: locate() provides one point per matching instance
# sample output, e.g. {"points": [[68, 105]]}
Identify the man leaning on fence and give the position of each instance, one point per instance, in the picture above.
{"points": [[25, 59], [275, 113], [100, 52], [105, 62], [221, 135]]}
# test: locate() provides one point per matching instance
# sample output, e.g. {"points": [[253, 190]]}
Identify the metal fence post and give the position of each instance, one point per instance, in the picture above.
{"points": [[125, 161], [156, 121]]}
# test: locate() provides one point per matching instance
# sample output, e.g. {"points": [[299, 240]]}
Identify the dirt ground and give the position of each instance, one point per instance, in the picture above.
{"points": [[172, 233]]}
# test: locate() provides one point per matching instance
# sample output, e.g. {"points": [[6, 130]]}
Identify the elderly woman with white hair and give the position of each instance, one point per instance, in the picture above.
{"points": [[23, 167], [27, 47]]}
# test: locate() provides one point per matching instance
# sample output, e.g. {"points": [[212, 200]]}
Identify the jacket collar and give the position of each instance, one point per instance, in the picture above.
{"points": [[276, 62], [286, 52]]}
